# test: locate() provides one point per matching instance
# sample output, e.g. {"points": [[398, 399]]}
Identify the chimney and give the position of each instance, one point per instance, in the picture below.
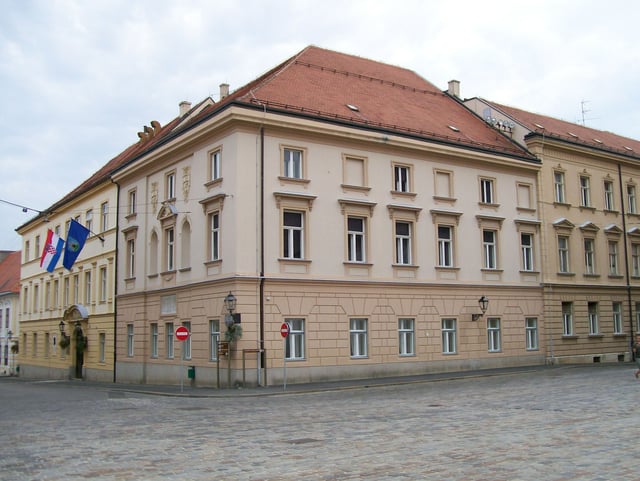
{"points": [[184, 107], [224, 91], [454, 88]]}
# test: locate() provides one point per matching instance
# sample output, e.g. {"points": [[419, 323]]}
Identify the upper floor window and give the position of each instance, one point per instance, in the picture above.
{"points": [[490, 248], [524, 196], [443, 181], [292, 163], [403, 242], [585, 191], [88, 219], [563, 254], [487, 194], [354, 171], [401, 178], [170, 185], [631, 199], [613, 258], [635, 259], [104, 216], [356, 236], [169, 249], [214, 236], [215, 159], [526, 248], [293, 235], [589, 256], [445, 246], [608, 195], [559, 187], [131, 209], [131, 258]]}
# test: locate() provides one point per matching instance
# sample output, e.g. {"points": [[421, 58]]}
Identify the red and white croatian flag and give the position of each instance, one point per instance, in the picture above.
{"points": [[52, 251]]}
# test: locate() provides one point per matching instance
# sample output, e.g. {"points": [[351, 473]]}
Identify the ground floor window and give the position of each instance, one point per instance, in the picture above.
{"points": [[449, 336], [154, 339], [493, 334], [294, 342], [358, 335], [406, 337], [130, 340], [531, 330], [214, 339], [169, 340]]}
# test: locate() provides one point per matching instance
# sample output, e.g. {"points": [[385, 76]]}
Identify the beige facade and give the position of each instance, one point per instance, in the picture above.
{"points": [[375, 248], [591, 248], [83, 297]]}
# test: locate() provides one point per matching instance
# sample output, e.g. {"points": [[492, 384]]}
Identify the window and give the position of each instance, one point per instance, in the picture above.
{"points": [[531, 333], [613, 258], [103, 284], [617, 317], [567, 318], [214, 339], [631, 199], [448, 336], [169, 245], [67, 291], [403, 243], [294, 342], [131, 259], [493, 334], [168, 304], [170, 186], [523, 192], [214, 236], [87, 288], [585, 191], [635, 259], [293, 235], [132, 209], [38, 252], [406, 337], [76, 289], [185, 242], [214, 165], [88, 220], [154, 339], [356, 239], [559, 188], [486, 191], [55, 298], [27, 252], [292, 164], [104, 216], [490, 249], [36, 298], [608, 195], [563, 254], [637, 316], [130, 340], [186, 344], [401, 178], [358, 337], [526, 248], [445, 246], [589, 256], [102, 347], [592, 309], [169, 340]]}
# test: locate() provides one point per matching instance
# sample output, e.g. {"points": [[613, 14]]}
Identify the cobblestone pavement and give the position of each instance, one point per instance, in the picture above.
{"points": [[557, 423]]}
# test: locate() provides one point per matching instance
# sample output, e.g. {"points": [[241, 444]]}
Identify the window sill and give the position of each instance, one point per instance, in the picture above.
{"points": [[215, 262], [591, 276], [398, 193], [294, 261], [405, 266], [447, 268], [566, 274], [293, 180], [357, 264], [596, 336], [619, 335], [615, 276], [588, 207], [213, 183], [569, 337]]}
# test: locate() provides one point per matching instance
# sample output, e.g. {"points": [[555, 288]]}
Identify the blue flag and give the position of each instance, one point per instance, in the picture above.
{"points": [[76, 238]]}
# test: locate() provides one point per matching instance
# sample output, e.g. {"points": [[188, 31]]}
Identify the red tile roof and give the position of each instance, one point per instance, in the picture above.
{"points": [[574, 133], [10, 273]]}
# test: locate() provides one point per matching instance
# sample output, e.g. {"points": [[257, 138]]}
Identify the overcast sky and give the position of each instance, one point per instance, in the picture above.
{"points": [[79, 79]]}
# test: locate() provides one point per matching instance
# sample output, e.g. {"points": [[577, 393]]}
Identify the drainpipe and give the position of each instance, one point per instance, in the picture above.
{"points": [[115, 275], [626, 261], [261, 314]]}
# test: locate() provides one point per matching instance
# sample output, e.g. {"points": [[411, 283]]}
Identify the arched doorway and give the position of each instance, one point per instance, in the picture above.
{"points": [[77, 315]]}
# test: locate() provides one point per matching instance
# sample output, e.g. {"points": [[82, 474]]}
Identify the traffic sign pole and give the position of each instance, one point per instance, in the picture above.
{"points": [[284, 332], [182, 334]]}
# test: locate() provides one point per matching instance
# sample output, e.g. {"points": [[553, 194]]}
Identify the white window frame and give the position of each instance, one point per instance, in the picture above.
{"points": [[214, 339], [403, 248], [445, 245], [585, 191], [559, 187], [589, 256], [563, 254], [295, 341], [616, 313], [613, 258], [401, 178], [186, 344], [490, 249], [170, 248], [293, 163], [449, 336], [104, 217], [170, 186], [609, 201], [293, 234], [592, 313], [130, 340], [494, 334], [356, 239], [215, 165], [632, 205], [567, 318], [358, 337], [154, 340], [531, 333], [526, 249], [169, 340], [406, 337], [487, 191], [214, 236]]}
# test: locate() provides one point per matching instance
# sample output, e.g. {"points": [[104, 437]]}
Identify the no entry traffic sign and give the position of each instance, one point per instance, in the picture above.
{"points": [[182, 333], [284, 329]]}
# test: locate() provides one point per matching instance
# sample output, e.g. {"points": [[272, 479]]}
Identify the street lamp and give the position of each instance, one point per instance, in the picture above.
{"points": [[230, 304], [483, 302]]}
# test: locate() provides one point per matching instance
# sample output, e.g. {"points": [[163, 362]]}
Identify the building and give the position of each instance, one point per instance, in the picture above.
{"points": [[350, 201], [591, 233], [9, 301]]}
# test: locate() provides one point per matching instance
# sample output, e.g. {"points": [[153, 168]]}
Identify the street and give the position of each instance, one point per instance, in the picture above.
{"points": [[557, 423]]}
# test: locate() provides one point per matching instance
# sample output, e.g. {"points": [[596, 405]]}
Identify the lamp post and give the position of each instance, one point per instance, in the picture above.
{"points": [[230, 305], [483, 302]]}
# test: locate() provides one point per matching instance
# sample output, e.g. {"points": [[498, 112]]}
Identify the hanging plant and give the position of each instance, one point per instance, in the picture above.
{"points": [[64, 342], [81, 344], [15, 349], [234, 332]]}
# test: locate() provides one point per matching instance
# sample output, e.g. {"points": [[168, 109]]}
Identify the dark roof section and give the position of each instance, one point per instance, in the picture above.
{"points": [[571, 132], [10, 273]]}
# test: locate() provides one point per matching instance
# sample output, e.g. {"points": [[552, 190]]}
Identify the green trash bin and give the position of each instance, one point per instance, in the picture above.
{"points": [[191, 372]]}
